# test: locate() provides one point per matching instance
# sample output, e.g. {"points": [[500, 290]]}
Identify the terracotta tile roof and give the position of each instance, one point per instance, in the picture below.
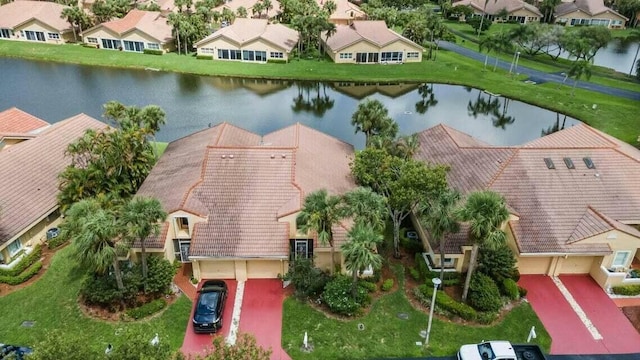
{"points": [[16, 13], [345, 10], [559, 207], [154, 242], [233, 5], [152, 23], [15, 122], [590, 7], [29, 173], [243, 183], [244, 31], [373, 31], [494, 7]]}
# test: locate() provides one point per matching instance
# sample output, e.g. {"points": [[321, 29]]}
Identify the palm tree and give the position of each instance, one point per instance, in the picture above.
{"points": [[360, 251], [634, 36], [489, 44], [484, 211], [142, 218], [366, 206], [428, 98], [320, 212], [579, 69], [76, 17], [242, 12], [438, 218], [406, 146], [372, 118], [267, 5]]}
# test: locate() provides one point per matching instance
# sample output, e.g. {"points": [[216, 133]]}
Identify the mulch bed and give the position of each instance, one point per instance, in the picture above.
{"points": [[100, 313], [47, 255]]}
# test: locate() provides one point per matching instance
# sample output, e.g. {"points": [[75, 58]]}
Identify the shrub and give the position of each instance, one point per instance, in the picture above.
{"points": [[338, 296], [153, 51], [102, 290], [23, 264], [56, 241], [522, 291], [628, 290], [414, 273], [276, 61], [498, 264], [484, 294], [510, 289], [147, 309], [486, 318], [411, 246], [306, 279], [204, 57], [160, 275], [371, 287], [446, 303], [23, 276], [421, 265], [387, 285]]}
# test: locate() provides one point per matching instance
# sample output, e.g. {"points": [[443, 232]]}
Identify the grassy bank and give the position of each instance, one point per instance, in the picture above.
{"points": [[614, 115]]}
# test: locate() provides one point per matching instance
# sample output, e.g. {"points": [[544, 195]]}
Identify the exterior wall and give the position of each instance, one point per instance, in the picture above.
{"points": [[529, 16], [211, 48], [534, 265], [265, 269], [35, 25], [577, 265], [215, 269], [617, 241], [367, 47], [239, 269], [35, 234], [566, 18], [100, 33], [323, 258]]}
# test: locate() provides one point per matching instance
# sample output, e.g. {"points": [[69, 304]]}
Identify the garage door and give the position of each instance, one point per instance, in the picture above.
{"points": [[264, 269], [217, 269], [577, 265], [533, 265]]}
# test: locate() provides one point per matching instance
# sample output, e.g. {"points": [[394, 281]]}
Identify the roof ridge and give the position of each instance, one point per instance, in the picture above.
{"points": [[595, 212], [598, 134], [503, 166]]}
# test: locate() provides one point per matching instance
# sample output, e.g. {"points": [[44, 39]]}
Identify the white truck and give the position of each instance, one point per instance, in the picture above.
{"points": [[500, 350]]}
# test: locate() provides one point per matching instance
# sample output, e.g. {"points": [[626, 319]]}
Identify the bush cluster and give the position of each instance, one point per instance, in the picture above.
{"points": [[204, 57], [23, 276], [147, 309], [421, 266], [449, 305], [56, 241], [276, 61], [484, 294], [153, 51], [498, 263], [306, 279], [628, 290], [510, 289], [23, 264], [371, 287], [387, 285], [338, 296], [160, 274]]}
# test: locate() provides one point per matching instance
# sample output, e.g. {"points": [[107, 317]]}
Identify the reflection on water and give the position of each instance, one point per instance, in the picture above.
{"points": [[58, 91]]}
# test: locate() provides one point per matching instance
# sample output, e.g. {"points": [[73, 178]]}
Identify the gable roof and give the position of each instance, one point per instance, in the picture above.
{"points": [[556, 208], [243, 183], [152, 23], [494, 7], [17, 123], [30, 174], [590, 7], [345, 9], [244, 31], [16, 13], [372, 31]]}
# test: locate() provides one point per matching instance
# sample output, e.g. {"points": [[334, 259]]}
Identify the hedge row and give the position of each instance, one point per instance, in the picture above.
{"points": [[24, 276], [56, 241], [445, 302], [276, 61], [204, 57], [24, 263], [153, 51], [147, 309], [628, 290]]}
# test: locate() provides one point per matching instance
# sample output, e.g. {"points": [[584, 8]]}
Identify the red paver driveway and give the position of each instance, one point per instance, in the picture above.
{"points": [[619, 335], [197, 343], [262, 314]]}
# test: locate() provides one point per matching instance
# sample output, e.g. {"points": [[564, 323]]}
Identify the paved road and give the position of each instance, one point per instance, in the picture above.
{"points": [[556, 357], [540, 76]]}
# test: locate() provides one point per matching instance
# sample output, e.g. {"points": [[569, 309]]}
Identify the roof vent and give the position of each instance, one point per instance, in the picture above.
{"points": [[224, 156], [284, 156], [549, 163], [589, 163], [231, 156], [569, 163], [273, 156]]}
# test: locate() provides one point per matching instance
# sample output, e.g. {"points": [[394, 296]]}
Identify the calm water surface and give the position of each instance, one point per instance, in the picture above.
{"points": [[57, 91]]}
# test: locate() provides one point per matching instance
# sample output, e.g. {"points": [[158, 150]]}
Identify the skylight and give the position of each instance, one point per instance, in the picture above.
{"points": [[550, 164], [589, 163], [569, 163]]}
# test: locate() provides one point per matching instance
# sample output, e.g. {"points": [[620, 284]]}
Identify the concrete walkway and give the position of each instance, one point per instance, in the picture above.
{"points": [[540, 76]]}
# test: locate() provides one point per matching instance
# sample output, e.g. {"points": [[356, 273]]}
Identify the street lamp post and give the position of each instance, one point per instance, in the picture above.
{"points": [[516, 67], [436, 283], [516, 57]]}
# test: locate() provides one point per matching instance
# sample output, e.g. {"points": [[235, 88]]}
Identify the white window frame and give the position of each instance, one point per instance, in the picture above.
{"points": [[625, 260], [346, 55], [13, 249], [53, 36], [153, 46], [92, 40], [413, 55]]}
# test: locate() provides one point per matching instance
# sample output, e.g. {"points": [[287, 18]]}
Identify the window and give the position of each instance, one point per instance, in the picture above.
{"points": [[229, 54], [53, 36], [33, 35], [5, 33], [261, 56], [276, 55], [133, 46], [206, 51], [301, 249], [621, 258], [153, 46], [367, 57], [92, 40], [346, 56], [549, 163], [14, 247], [393, 56], [181, 250], [569, 163], [182, 223], [413, 55], [111, 44], [248, 55]]}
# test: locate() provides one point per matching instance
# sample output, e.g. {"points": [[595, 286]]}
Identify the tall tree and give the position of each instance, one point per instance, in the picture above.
{"points": [[320, 212], [142, 218], [360, 251], [485, 212], [634, 37], [439, 219], [77, 18], [579, 69], [366, 206], [372, 119], [404, 182]]}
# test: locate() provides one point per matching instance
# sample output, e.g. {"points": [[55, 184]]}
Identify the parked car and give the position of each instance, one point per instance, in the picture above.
{"points": [[14, 352], [207, 317]]}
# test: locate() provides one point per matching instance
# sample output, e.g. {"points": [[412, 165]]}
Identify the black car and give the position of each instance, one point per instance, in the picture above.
{"points": [[207, 318], [14, 352]]}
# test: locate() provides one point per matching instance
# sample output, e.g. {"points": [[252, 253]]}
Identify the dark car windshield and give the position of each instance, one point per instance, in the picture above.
{"points": [[208, 302]]}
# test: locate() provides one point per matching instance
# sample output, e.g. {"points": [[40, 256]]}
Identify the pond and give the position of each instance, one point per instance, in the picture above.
{"points": [[617, 55], [54, 92]]}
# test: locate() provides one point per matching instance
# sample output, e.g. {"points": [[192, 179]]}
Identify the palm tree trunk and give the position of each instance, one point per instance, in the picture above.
{"points": [[635, 58], [333, 258], [442, 254], [145, 270], [470, 270], [116, 271], [354, 286], [396, 236]]}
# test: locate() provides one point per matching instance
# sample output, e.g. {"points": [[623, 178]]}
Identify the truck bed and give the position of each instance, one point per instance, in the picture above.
{"points": [[528, 352]]}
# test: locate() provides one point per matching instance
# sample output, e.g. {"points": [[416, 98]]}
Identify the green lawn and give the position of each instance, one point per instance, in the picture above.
{"points": [[386, 335], [614, 115], [52, 302]]}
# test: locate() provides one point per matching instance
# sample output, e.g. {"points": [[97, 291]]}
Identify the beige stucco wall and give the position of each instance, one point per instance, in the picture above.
{"points": [[582, 15], [240, 269], [136, 35], [534, 265], [266, 269], [617, 241], [256, 45], [367, 47], [34, 234], [214, 269], [36, 25], [528, 14], [577, 265]]}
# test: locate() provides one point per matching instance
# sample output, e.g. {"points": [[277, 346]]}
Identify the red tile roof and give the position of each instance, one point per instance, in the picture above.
{"points": [[590, 7], [15, 122], [372, 31], [494, 7], [29, 173], [17, 13], [152, 23], [557, 208], [246, 31], [243, 184]]}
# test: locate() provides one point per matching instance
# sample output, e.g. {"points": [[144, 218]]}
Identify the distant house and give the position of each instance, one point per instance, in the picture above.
{"points": [[516, 10], [346, 12], [253, 40], [589, 12], [17, 126], [573, 199], [34, 21], [28, 195], [234, 5], [370, 42], [137, 31], [233, 197]]}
